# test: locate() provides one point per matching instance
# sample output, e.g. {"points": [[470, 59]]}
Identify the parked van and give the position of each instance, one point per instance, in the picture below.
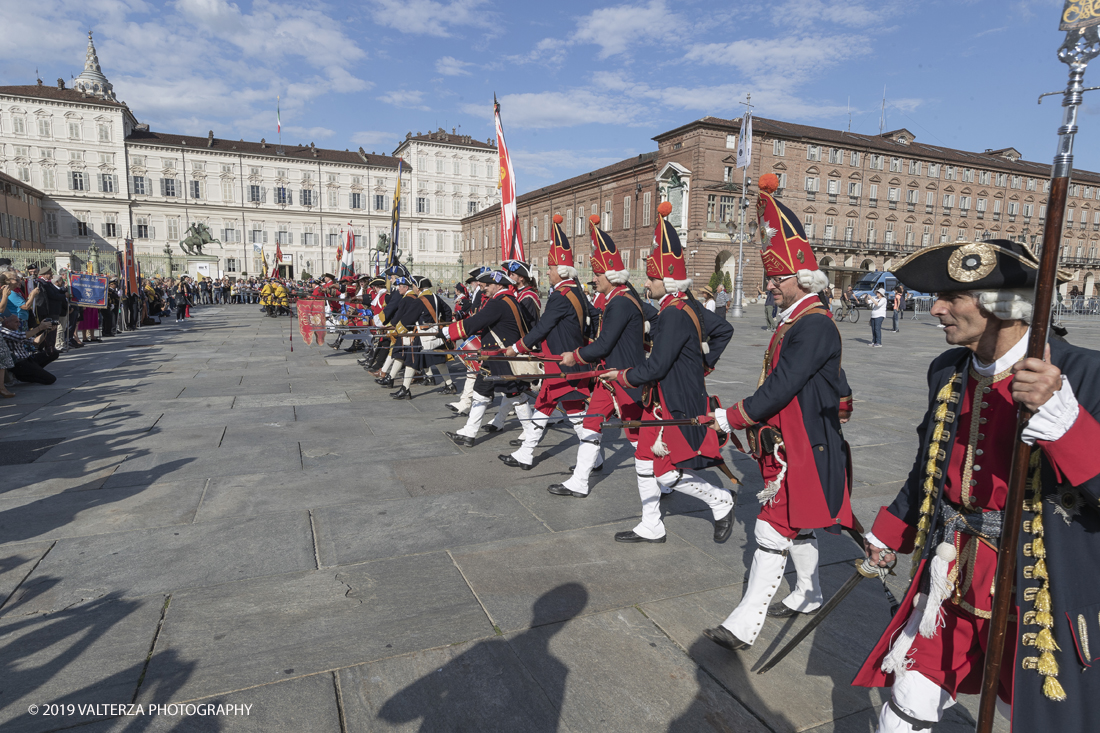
{"points": [[876, 279]]}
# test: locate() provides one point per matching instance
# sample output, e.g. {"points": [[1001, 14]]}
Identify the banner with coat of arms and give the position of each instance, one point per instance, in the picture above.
{"points": [[311, 320]]}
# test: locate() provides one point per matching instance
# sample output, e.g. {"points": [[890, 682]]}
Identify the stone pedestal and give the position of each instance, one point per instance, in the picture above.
{"points": [[205, 265]]}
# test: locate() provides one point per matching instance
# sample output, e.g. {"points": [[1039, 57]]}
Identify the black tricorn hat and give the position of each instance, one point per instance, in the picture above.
{"points": [[993, 264]]}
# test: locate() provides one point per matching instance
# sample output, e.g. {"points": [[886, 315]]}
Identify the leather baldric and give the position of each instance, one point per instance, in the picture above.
{"points": [[431, 309], [769, 355], [572, 296]]}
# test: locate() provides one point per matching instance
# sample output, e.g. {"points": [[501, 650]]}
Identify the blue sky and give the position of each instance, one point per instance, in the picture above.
{"points": [[581, 84]]}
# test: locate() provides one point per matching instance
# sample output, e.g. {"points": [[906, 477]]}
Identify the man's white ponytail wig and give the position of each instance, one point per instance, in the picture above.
{"points": [[813, 280], [617, 277], [1008, 305], [565, 272], [677, 286]]}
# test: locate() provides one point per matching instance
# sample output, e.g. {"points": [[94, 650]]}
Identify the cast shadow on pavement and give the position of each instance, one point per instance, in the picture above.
{"points": [[456, 697]]}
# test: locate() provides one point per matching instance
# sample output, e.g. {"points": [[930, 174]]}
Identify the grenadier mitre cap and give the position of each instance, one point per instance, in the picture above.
{"points": [[993, 264], [667, 258], [785, 247], [605, 255], [561, 253]]}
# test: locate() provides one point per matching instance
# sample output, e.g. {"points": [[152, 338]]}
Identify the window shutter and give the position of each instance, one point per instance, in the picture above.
{"points": [[130, 185], [162, 187], [114, 180], [263, 200], [265, 236], [74, 227], [152, 232]]}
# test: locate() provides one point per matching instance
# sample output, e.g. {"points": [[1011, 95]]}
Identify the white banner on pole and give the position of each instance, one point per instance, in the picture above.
{"points": [[744, 142]]}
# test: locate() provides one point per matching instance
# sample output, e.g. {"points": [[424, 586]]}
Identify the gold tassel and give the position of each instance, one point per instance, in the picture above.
{"points": [[926, 505], [1037, 548], [1040, 570], [1042, 600], [1047, 664], [1045, 641], [1053, 689], [1037, 524], [1044, 619]]}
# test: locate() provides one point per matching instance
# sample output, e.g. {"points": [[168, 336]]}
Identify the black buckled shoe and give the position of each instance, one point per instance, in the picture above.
{"points": [[781, 610], [507, 460], [460, 440], [723, 527], [723, 637], [562, 490], [384, 382], [490, 428], [449, 389], [403, 394], [515, 442], [630, 536], [595, 469]]}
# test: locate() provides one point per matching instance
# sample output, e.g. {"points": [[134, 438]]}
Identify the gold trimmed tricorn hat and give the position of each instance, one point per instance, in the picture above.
{"points": [[993, 264]]}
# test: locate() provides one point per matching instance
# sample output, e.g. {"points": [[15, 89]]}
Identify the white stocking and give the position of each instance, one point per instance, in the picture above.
{"points": [[717, 498], [768, 563], [587, 454], [651, 527], [918, 697], [806, 595], [477, 412], [526, 453]]}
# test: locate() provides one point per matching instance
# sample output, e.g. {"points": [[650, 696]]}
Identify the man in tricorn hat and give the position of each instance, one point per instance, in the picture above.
{"points": [[561, 328], [620, 344], [477, 299], [689, 340], [793, 425], [949, 512]]}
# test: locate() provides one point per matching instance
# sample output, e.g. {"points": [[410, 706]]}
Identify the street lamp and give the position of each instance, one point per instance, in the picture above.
{"points": [[985, 234]]}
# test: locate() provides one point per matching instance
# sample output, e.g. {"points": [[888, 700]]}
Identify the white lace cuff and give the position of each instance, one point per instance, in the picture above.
{"points": [[723, 423], [1055, 418], [872, 540]]}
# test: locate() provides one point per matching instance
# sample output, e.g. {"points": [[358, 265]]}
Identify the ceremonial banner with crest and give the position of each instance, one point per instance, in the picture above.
{"points": [[511, 241], [744, 142], [130, 268], [395, 222], [1079, 14], [311, 320]]}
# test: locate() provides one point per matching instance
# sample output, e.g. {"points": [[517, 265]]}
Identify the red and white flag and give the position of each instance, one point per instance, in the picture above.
{"points": [[348, 265], [511, 241]]}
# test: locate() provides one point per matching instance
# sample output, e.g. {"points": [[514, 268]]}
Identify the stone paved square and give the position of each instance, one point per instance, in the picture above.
{"points": [[188, 522]]}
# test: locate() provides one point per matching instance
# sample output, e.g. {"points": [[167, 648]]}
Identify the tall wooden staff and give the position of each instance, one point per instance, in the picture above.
{"points": [[1081, 46]]}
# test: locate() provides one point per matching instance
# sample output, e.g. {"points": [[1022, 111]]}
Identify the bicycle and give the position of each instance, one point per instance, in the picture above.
{"points": [[845, 312]]}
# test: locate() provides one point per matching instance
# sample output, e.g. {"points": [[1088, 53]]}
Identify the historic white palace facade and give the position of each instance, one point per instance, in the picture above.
{"points": [[107, 177]]}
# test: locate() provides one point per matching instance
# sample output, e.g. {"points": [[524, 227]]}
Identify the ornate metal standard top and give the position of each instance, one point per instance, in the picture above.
{"points": [[91, 80]]}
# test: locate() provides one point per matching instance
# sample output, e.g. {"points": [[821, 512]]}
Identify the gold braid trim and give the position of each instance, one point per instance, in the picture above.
{"points": [[1040, 615], [934, 466]]}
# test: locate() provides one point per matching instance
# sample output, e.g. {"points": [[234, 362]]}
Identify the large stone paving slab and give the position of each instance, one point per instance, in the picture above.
{"points": [[160, 560], [508, 574], [258, 493], [88, 654], [37, 479], [348, 534], [87, 512], [297, 705], [16, 564], [175, 465], [269, 629]]}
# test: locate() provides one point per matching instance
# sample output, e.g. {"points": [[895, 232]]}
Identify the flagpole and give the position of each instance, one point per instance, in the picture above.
{"points": [[739, 281]]}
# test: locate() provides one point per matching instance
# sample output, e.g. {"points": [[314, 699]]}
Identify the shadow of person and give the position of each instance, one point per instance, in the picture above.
{"points": [[492, 685]]}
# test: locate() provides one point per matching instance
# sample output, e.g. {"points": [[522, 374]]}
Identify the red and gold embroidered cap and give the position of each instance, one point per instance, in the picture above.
{"points": [[605, 255], [561, 253], [667, 258], [785, 248]]}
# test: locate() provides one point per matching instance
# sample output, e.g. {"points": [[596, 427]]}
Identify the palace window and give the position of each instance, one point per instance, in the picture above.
{"points": [[141, 223], [76, 181], [779, 147], [196, 190], [110, 225], [355, 200]]}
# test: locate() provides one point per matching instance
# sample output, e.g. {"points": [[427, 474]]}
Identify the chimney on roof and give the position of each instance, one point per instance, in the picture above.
{"points": [[263, 142], [210, 139], [452, 131], [39, 82], [363, 154], [312, 149], [60, 83], [408, 135]]}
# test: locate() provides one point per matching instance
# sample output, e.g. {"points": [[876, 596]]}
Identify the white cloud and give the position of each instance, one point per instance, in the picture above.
{"points": [[405, 98], [905, 104], [450, 66], [376, 137], [308, 133], [790, 57], [561, 109], [429, 17], [548, 51], [617, 28], [807, 14]]}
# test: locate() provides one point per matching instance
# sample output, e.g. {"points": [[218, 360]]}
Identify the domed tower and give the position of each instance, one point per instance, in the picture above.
{"points": [[92, 81]]}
